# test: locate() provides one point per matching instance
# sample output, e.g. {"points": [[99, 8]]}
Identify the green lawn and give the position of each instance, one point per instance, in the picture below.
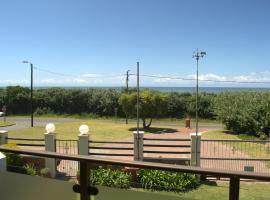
{"points": [[220, 191], [99, 130], [3, 124]]}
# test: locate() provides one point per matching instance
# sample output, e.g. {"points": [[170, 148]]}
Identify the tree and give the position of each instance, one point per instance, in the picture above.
{"points": [[152, 104]]}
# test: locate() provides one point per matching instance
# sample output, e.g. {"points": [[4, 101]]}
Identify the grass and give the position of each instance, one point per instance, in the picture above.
{"points": [[99, 130], [218, 190], [253, 149], [178, 121], [3, 124]]}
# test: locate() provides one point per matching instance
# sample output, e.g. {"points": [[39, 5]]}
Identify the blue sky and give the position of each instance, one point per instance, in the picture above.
{"points": [[105, 38]]}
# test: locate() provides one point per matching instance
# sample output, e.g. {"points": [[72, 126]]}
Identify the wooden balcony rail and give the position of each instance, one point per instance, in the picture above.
{"points": [[86, 160]]}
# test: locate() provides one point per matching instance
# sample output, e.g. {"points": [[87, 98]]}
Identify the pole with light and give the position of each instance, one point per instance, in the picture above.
{"points": [[127, 79], [31, 98], [197, 55]]}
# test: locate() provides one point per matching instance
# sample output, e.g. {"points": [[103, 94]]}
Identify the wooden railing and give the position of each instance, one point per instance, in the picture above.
{"points": [[85, 161]]}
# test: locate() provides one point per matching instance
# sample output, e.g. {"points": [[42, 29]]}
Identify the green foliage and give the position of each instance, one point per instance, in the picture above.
{"points": [[43, 111], [30, 169], [152, 104], [45, 172], [111, 178], [245, 112], [164, 180], [12, 158]]}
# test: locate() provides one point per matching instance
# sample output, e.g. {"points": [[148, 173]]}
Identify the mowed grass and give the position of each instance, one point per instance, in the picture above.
{"points": [[253, 149], [99, 130], [218, 190], [3, 124]]}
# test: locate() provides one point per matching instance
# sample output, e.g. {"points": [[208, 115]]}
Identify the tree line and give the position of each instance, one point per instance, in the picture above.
{"points": [[241, 112]]}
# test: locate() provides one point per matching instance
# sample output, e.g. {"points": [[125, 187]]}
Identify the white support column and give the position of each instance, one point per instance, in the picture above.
{"points": [[3, 162], [50, 145], [138, 145], [195, 149], [83, 146], [3, 137], [83, 142]]}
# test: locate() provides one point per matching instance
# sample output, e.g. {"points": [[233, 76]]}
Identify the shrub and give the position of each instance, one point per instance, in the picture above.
{"points": [[164, 180], [45, 172], [12, 158], [43, 111], [30, 169], [110, 178]]}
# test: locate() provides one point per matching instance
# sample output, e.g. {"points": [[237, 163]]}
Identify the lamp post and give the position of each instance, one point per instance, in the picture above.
{"points": [[31, 98], [197, 55], [127, 79]]}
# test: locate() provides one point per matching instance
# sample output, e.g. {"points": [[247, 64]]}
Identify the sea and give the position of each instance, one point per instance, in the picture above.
{"points": [[181, 89]]}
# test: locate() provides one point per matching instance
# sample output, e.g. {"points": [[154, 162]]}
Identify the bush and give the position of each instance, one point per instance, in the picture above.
{"points": [[164, 180], [12, 158], [245, 112], [110, 178], [30, 169], [43, 111], [45, 172]]}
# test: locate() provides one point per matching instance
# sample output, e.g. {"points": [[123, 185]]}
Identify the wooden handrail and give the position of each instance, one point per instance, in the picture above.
{"points": [[139, 164]]}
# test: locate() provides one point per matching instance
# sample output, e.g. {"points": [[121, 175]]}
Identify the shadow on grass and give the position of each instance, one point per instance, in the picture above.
{"points": [[155, 130]]}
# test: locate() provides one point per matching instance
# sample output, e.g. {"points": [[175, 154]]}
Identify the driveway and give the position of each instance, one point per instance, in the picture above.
{"points": [[26, 122]]}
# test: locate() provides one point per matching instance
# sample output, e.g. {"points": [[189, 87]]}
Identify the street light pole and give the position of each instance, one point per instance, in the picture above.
{"points": [[197, 55], [31, 93], [127, 79]]}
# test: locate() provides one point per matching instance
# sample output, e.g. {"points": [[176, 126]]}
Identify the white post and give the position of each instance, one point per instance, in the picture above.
{"points": [[3, 162], [50, 145], [3, 137], [83, 146], [195, 149], [138, 145]]}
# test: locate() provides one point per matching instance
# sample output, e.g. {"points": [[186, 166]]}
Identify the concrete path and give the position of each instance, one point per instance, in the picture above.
{"points": [[26, 122]]}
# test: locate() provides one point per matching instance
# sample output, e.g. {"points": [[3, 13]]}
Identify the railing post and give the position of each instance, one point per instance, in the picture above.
{"points": [[3, 162], [84, 180], [50, 146], [83, 146], [234, 188], [3, 137], [195, 149], [138, 145]]}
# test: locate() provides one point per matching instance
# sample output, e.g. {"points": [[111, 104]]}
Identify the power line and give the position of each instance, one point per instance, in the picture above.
{"points": [[78, 76], [205, 80], [150, 76]]}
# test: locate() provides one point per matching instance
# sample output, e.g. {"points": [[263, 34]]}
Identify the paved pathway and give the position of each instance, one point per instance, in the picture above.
{"points": [[26, 122]]}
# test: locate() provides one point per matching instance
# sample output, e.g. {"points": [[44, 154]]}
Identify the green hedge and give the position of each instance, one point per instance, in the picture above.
{"points": [[164, 180]]}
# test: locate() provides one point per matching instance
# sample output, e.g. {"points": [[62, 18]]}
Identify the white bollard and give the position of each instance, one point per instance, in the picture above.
{"points": [[138, 145], [50, 145]]}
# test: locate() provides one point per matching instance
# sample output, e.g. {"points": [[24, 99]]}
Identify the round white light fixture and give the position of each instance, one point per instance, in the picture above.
{"points": [[84, 129], [50, 128]]}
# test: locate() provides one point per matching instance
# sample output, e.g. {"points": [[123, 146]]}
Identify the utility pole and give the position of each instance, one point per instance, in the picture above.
{"points": [[31, 93], [138, 95], [127, 79]]}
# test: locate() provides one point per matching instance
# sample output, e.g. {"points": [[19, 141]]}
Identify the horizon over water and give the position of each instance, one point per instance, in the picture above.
{"points": [[167, 89]]}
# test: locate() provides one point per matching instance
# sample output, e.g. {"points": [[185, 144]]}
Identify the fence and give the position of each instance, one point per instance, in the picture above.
{"points": [[67, 167], [240, 155], [84, 186]]}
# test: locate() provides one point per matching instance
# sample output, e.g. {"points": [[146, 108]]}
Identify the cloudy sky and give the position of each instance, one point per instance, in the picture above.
{"points": [[94, 43]]}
